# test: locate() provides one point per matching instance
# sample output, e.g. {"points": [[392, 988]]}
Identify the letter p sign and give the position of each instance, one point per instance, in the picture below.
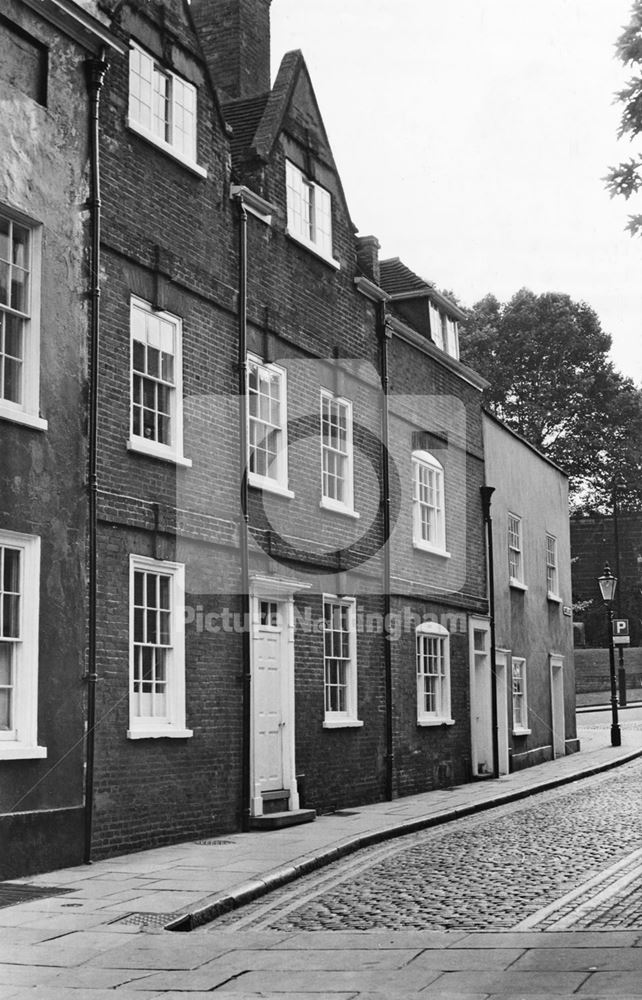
{"points": [[621, 631]]}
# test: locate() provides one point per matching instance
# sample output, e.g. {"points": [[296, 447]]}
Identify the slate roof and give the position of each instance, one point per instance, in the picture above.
{"points": [[244, 117]]}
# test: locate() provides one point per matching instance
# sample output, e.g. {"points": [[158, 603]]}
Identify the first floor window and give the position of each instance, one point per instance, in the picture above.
{"points": [[267, 423], [429, 520], [515, 561], [520, 711], [156, 383], [433, 674], [551, 565], [340, 662], [19, 610], [157, 649], [19, 319], [336, 451]]}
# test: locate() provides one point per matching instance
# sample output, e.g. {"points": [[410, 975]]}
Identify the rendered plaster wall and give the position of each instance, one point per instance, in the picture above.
{"points": [[44, 177], [528, 623]]}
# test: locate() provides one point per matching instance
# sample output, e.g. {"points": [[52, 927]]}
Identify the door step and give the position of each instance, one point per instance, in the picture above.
{"points": [[279, 820], [276, 800]]}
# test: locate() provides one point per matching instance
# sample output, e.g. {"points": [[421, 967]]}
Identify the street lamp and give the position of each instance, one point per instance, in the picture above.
{"points": [[608, 583]]}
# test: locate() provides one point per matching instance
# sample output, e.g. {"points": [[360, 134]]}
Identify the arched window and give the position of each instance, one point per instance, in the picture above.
{"points": [[429, 517], [433, 675]]}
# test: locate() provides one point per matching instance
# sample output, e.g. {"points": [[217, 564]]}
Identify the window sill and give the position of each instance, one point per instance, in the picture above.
{"points": [[435, 722], [432, 549], [517, 584], [143, 448], [522, 732], [21, 417], [553, 598], [158, 734], [338, 508], [14, 751], [342, 723], [165, 147], [330, 261], [269, 486]]}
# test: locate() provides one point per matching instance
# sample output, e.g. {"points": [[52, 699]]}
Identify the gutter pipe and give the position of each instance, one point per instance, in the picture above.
{"points": [[486, 494], [244, 518], [95, 69], [385, 335]]}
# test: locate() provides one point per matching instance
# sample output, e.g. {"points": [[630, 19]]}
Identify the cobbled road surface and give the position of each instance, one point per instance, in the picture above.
{"points": [[569, 858]]}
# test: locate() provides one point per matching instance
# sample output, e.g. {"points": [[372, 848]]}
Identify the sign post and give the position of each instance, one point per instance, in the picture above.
{"points": [[621, 638]]}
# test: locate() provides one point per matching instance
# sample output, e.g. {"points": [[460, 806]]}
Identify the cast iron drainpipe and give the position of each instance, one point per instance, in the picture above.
{"points": [[244, 518], [384, 336], [95, 74], [486, 494]]}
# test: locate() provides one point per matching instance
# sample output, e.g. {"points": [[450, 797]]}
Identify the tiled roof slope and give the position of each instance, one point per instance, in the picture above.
{"points": [[397, 279], [244, 117]]}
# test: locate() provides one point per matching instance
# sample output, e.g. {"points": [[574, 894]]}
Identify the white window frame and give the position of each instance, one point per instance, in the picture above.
{"points": [[344, 458], [552, 568], [423, 462], [347, 718], [21, 742], [309, 213], [432, 632], [172, 725], [515, 542], [143, 66], [519, 696], [172, 452], [27, 411], [278, 483]]}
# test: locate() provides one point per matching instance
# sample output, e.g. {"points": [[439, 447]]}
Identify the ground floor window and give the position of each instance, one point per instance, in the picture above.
{"points": [[157, 649], [433, 674], [340, 662], [520, 708], [19, 625]]}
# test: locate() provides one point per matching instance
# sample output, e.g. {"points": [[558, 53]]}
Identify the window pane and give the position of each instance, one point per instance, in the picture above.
{"points": [[5, 710], [5, 242], [12, 381], [4, 283], [20, 246], [13, 336]]}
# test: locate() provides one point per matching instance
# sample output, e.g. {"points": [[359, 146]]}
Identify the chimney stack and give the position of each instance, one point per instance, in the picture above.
{"points": [[235, 35], [368, 257]]}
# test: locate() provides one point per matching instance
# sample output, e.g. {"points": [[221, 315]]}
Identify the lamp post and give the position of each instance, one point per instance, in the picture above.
{"points": [[608, 583]]}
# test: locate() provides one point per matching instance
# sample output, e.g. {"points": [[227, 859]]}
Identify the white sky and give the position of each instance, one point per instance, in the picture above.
{"points": [[472, 137]]}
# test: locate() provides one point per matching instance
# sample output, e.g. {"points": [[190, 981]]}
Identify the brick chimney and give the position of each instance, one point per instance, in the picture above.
{"points": [[235, 35], [368, 257]]}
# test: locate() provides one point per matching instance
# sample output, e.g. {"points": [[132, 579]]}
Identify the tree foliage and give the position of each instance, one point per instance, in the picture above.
{"points": [[546, 359], [626, 178]]}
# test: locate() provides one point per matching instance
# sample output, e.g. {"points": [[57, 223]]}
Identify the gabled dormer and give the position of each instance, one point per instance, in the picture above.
{"points": [[421, 305], [280, 149]]}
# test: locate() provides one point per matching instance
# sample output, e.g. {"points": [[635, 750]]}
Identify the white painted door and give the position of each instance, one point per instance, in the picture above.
{"points": [[480, 700], [269, 710], [557, 706], [502, 710]]}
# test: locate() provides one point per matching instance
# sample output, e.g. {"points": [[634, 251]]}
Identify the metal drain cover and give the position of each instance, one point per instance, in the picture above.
{"points": [[13, 892], [215, 843], [148, 919]]}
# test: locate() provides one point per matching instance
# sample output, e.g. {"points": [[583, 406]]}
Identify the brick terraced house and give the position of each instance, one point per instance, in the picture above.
{"points": [[286, 606]]}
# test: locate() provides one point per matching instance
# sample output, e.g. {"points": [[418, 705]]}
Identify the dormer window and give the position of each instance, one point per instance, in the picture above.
{"points": [[309, 212], [162, 107], [444, 331]]}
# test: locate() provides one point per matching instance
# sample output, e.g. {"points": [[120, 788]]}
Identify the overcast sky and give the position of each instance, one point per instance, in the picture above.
{"points": [[472, 137]]}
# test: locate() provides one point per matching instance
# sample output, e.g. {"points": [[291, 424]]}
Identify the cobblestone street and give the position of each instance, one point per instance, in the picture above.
{"points": [[565, 859]]}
